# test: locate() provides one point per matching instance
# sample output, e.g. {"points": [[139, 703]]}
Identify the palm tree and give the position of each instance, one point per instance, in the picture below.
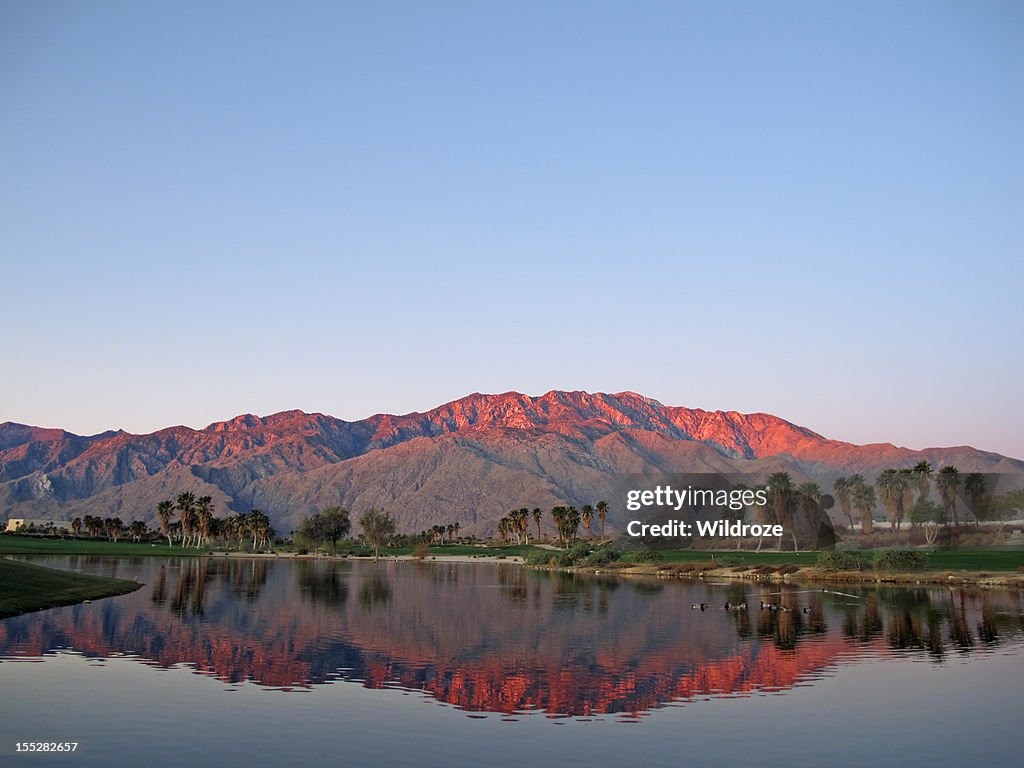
{"points": [[164, 510], [523, 521], [842, 487], [948, 481], [240, 527], [782, 498], [602, 513], [809, 496], [204, 513], [258, 525], [762, 512], [537, 515], [186, 503], [975, 486], [923, 474], [138, 530], [863, 498], [587, 515], [907, 483], [76, 526], [890, 491], [558, 518]]}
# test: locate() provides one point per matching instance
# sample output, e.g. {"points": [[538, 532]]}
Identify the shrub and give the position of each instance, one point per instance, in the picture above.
{"points": [[539, 557], [601, 556], [641, 556], [899, 559], [843, 560]]}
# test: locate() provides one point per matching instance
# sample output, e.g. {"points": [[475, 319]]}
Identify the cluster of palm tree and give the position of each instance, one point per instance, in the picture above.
{"points": [[566, 519], [785, 502], [855, 493], [111, 527], [438, 534], [516, 524], [896, 490], [197, 525]]}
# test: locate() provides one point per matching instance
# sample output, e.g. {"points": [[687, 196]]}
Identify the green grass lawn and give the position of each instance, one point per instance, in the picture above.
{"points": [[980, 560], [25, 587], [28, 545]]}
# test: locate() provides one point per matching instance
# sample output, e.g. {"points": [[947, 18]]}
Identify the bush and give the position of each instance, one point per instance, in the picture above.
{"points": [[843, 560], [897, 559], [601, 556], [639, 556], [540, 557]]}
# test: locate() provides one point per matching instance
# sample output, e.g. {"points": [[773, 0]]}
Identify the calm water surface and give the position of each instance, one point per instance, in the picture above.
{"points": [[280, 662]]}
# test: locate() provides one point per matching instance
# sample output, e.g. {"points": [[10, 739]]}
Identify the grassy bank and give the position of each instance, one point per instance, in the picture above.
{"points": [[29, 545], [988, 567], [25, 587]]}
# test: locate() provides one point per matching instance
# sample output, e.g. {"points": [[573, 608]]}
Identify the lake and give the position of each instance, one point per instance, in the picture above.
{"points": [[235, 661]]}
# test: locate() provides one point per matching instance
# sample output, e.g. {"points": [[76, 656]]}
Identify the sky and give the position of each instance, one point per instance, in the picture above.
{"points": [[808, 209]]}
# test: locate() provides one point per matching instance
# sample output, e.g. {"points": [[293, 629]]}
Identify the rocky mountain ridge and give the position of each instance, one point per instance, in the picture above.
{"points": [[469, 460]]}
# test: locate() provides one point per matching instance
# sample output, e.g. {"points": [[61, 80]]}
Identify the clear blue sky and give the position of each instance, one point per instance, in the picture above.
{"points": [[811, 209]]}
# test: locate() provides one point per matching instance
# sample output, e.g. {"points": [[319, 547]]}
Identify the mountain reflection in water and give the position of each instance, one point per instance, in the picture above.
{"points": [[500, 638]]}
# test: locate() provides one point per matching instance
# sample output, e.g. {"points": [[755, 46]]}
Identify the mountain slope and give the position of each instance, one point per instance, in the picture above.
{"points": [[468, 460]]}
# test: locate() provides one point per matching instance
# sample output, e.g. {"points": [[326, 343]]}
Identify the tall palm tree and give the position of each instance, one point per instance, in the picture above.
{"points": [[137, 529], [843, 488], [975, 486], [809, 496], [762, 512], [239, 527], [185, 504], [782, 498], [602, 513], [259, 528], [907, 483], [863, 498], [537, 515], [587, 514], [204, 514], [948, 480], [164, 510], [890, 491], [76, 526], [923, 473]]}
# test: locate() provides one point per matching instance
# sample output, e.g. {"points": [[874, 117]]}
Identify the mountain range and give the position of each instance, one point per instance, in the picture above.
{"points": [[467, 461]]}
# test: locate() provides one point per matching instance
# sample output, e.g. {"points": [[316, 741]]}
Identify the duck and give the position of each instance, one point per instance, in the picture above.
{"points": [[768, 606], [697, 606], [807, 609], [735, 607]]}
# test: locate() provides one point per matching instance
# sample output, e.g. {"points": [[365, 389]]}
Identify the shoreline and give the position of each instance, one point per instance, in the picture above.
{"points": [[982, 579], [27, 588]]}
